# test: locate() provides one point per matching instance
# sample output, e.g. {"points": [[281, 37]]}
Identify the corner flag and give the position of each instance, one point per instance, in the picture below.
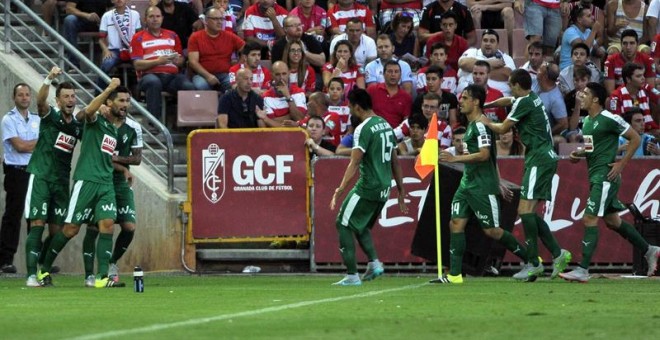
{"points": [[428, 156]]}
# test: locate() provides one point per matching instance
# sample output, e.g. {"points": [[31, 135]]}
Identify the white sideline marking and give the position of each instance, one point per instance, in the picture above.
{"points": [[192, 322]]}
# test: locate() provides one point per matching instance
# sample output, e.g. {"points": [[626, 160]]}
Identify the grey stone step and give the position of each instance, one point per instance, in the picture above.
{"points": [[252, 254]]}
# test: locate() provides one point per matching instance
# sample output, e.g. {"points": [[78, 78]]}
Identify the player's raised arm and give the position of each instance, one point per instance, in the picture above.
{"points": [[89, 112], [42, 96]]}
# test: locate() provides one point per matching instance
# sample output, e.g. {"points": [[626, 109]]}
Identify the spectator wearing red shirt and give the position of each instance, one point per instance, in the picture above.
{"points": [[429, 25], [629, 54], [447, 107], [210, 51], [454, 43], [314, 19], [430, 104], [157, 57], [480, 75], [389, 100], [338, 105], [263, 24], [261, 78], [655, 52], [347, 9], [342, 64], [284, 101], [449, 74], [633, 94]]}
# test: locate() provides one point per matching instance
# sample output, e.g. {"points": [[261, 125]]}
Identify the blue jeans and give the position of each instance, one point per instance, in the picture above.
{"points": [[72, 26], [107, 65], [152, 84], [202, 85]]}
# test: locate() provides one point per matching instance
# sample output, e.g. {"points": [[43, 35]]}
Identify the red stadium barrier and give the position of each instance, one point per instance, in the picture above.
{"points": [[247, 184]]}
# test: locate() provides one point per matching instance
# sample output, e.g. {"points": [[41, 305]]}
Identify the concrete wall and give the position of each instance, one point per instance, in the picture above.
{"points": [[157, 242]]}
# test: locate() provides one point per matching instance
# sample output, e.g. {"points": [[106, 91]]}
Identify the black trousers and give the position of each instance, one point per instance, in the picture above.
{"points": [[16, 183]]}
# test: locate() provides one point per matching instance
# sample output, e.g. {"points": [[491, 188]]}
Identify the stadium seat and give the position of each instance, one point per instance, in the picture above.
{"points": [[519, 43], [565, 149], [504, 39], [90, 38], [197, 108]]}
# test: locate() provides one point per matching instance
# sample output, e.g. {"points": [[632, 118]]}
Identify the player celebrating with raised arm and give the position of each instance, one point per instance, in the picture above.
{"points": [[601, 131], [93, 194], [528, 114], [50, 168], [374, 152], [479, 188], [127, 153]]}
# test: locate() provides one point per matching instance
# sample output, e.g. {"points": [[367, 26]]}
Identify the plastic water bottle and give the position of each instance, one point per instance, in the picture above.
{"points": [[138, 280]]}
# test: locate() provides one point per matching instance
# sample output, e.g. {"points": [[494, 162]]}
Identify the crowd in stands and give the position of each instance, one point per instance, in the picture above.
{"points": [[293, 62]]}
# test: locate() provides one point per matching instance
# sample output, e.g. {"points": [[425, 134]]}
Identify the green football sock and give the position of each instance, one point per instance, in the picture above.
{"points": [[456, 251], [632, 235], [347, 249], [103, 254], [509, 242], [531, 237], [44, 247], [33, 249], [547, 237], [367, 244], [56, 245], [589, 244], [88, 250]]}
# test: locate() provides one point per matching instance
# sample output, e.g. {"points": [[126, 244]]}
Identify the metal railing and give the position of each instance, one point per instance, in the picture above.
{"points": [[24, 40]]}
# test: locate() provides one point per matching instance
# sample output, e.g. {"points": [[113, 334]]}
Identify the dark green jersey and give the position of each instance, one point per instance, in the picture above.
{"points": [[529, 114], [375, 138], [98, 144], [51, 159], [480, 176], [129, 137], [601, 142]]}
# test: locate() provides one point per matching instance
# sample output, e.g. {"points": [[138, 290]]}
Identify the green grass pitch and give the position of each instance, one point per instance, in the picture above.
{"points": [[308, 307]]}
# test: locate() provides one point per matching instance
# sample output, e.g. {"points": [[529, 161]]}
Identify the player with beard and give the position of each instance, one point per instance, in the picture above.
{"points": [[49, 168], [128, 152], [93, 195]]}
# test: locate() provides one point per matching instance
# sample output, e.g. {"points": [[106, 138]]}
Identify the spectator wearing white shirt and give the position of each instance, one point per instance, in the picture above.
{"points": [[364, 47], [501, 64]]}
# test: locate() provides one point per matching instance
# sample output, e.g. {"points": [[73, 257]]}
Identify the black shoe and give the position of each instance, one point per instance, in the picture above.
{"points": [[8, 268]]}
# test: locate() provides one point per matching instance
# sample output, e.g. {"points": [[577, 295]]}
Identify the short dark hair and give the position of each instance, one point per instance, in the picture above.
{"points": [[599, 91], [581, 71], [118, 90], [578, 46], [482, 63], [354, 20], [418, 119], [336, 80], [361, 98], [629, 33], [628, 114], [491, 32], [629, 69], [317, 117], [438, 46], [389, 63], [449, 15], [459, 130], [63, 86], [537, 45], [385, 37], [249, 47], [19, 85], [477, 92], [522, 78], [435, 69]]}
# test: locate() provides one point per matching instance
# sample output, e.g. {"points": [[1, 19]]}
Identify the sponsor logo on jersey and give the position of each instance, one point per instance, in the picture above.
{"points": [[109, 144], [65, 142], [213, 173]]}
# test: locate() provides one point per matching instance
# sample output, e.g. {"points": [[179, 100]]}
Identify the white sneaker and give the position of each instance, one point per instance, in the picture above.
{"points": [[578, 274], [90, 281], [32, 281], [113, 272], [652, 259], [349, 280]]}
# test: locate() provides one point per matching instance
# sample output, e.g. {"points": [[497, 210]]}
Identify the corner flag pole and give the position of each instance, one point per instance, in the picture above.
{"points": [[438, 235]]}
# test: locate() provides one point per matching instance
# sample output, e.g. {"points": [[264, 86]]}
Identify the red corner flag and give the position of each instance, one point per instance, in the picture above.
{"points": [[428, 156]]}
